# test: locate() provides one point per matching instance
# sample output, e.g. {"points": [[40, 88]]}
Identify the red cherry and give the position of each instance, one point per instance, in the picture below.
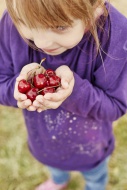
{"points": [[40, 81], [49, 72], [32, 93], [24, 86], [47, 90], [53, 81]]}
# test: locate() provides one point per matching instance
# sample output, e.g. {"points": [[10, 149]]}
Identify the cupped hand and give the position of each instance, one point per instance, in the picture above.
{"points": [[26, 73], [54, 100]]}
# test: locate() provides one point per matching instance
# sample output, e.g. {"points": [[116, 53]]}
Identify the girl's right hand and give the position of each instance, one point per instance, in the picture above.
{"points": [[22, 101]]}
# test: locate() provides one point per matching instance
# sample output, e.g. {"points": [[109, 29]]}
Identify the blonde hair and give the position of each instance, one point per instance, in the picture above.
{"points": [[53, 13]]}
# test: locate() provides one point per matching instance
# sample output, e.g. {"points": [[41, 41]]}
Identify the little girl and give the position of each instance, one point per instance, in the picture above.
{"points": [[85, 42]]}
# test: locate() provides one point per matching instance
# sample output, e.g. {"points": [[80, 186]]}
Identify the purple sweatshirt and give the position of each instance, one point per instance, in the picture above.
{"points": [[78, 135]]}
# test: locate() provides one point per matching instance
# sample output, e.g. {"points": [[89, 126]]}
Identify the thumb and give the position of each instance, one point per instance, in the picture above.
{"points": [[64, 83]]}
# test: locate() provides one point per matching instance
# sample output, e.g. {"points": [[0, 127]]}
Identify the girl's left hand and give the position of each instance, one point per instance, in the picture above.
{"points": [[54, 100]]}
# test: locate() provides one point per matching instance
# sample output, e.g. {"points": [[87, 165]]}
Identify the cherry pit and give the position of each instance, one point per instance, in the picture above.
{"points": [[39, 84]]}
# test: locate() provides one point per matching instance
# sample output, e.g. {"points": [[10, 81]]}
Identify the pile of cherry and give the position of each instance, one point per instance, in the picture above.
{"points": [[42, 83]]}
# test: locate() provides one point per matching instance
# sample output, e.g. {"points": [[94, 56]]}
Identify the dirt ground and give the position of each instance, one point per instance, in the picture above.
{"points": [[121, 5]]}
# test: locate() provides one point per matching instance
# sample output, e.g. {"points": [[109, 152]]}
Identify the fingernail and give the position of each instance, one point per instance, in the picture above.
{"points": [[39, 110]]}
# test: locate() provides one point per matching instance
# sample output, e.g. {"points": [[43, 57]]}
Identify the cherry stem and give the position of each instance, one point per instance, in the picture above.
{"points": [[42, 61], [48, 88], [32, 74], [32, 85]]}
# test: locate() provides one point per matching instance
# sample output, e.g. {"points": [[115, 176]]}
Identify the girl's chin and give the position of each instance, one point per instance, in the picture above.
{"points": [[57, 52]]}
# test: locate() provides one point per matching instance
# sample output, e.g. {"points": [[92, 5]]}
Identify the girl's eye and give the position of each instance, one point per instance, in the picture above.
{"points": [[61, 28]]}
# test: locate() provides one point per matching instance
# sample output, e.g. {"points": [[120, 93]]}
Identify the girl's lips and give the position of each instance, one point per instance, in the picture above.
{"points": [[50, 50]]}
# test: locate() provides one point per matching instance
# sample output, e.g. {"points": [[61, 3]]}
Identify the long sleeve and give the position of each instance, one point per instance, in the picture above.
{"points": [[7, 78], [103, 104], [9, 66]]}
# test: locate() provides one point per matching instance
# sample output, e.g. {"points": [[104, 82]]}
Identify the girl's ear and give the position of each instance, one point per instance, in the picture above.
{"points": [[98, 12]]}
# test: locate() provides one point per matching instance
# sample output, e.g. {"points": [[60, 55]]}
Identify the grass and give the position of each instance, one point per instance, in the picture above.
{"points": [[20, 171]]}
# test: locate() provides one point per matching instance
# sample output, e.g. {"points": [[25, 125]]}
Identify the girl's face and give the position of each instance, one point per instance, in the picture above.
{"points": [[57, 40]]}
